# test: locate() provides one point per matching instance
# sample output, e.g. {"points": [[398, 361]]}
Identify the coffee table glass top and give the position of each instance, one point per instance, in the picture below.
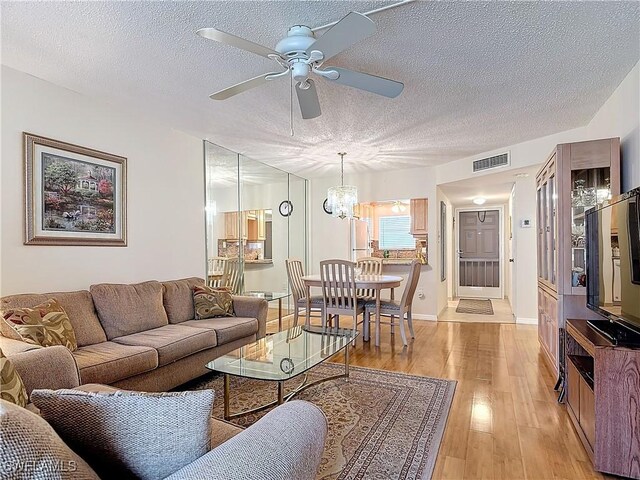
{"points": [[285, 354], [268, 296]]}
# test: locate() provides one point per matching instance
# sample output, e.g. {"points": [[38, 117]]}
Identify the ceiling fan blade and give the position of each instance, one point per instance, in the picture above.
{"points": [[220, 36], [308, 100], [241, 87], [370, 83], [348, 31]]}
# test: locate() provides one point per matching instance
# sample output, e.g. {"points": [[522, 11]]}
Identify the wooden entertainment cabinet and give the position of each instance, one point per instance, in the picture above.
{"points": [[603, 398]]}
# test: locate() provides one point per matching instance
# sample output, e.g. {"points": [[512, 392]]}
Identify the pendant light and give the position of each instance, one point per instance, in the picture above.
{"points": [[343, 198]]}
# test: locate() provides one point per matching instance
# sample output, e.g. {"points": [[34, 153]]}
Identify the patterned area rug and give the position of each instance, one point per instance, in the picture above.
{"points": [[382, 425], [474, 305]]}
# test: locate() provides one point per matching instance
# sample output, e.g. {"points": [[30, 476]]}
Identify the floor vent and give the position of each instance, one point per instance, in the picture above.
{"points": [[491, 162]]}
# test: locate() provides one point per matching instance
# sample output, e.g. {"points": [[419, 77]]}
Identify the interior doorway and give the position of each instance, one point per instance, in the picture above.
{"points": [[480, 252]]}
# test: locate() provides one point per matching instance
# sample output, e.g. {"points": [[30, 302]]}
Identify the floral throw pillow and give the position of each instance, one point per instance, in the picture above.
{"points": [[46, 325], [212, 302], [11, 385]]}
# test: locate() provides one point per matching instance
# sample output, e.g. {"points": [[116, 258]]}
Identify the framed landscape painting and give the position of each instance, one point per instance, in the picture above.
{"points": [[74, 195]]}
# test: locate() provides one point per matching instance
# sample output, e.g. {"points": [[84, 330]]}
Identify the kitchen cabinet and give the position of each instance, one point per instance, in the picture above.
{"points": [[419, 209], [231, 225], [262, 225], [574, 178], [252, 224]]}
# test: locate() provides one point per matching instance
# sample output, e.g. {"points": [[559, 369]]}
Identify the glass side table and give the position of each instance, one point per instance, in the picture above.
{"points": [[270, 296]]}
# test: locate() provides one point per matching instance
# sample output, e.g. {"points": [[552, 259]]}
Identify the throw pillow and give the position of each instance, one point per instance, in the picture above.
{"points": [[11, 384], [31, 449], [130, 434], [212, 302], [46, 325]]}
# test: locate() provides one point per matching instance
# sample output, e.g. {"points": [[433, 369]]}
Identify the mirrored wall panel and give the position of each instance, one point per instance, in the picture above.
{"points": [[256, 218]]}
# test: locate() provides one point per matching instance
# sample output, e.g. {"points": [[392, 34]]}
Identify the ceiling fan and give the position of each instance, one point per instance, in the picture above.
{"points": [[300, 55]]}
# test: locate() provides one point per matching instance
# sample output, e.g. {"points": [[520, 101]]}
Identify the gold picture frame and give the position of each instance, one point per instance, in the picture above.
{"points": [[73, 195]]}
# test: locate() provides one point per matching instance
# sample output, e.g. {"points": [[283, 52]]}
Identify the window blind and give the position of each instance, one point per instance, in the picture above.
{"points": [[395, 232]]}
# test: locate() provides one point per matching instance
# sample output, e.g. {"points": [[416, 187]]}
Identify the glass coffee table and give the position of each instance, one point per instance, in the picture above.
{"points": [[283, 356], [270, 296]]}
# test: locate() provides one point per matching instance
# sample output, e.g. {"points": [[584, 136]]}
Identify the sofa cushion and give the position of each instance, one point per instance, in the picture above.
{"points": [[78, 305], [12, 387], [46, 324], [31, 449], [178, 298], [172, 342], [227, 329], [212, 302], [126, 309], [131, 434], [109, 362]]}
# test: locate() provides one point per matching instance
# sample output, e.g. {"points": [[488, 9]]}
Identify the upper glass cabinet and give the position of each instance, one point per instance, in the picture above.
{"points": [[576, 177], [547, 198], [589, 187]]}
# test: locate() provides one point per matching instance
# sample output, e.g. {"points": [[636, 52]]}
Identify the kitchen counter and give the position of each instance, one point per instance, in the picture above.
{"points": [[398, 261], [259, 262]]}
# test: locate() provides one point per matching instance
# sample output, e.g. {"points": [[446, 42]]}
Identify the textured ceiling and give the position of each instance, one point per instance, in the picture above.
{"points": [[478, 75]]}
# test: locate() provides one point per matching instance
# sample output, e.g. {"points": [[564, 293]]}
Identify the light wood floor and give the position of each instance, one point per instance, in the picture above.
{"points": [[505, 422]]}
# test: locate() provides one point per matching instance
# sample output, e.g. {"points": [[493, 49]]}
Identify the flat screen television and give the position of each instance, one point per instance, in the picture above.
{"points": [[613, 260]]}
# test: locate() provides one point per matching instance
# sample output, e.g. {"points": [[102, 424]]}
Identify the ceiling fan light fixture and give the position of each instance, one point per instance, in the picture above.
{"points": [[343, 198], [398, 207]]}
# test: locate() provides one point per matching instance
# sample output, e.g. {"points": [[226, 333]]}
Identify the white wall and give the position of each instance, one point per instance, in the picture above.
{"points": [[445, 288], [164, 195], [329, 236], [526, 266]]}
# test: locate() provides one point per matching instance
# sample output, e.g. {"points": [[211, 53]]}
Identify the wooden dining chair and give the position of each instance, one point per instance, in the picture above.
{"points": [[215, 266], [394, 308], [295, 272], [369, 266], [339, 296], [231, 277]]}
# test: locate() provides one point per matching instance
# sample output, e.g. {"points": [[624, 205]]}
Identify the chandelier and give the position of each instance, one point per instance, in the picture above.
{"points": [[343, 198]]}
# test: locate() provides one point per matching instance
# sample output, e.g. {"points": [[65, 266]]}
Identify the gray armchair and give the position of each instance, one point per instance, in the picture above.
{"points": [[287, 443]]}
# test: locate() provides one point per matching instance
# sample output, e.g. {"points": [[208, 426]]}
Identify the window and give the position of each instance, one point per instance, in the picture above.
{"points": [[395, 233]]}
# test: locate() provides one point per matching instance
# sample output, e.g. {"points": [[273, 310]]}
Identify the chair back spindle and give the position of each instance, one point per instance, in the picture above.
{"points": [[338, 286], [369, 266], [295, 272], [231, 277]]}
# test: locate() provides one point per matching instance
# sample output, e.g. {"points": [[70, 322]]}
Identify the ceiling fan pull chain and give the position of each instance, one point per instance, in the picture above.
{"points": [[291, 104]]}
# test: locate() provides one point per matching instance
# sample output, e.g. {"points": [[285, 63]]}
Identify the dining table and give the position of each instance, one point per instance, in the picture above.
{"points": [[376, 283]]}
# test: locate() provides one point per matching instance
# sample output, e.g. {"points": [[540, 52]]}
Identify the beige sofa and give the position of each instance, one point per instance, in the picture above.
{"points": [[143, 336]]}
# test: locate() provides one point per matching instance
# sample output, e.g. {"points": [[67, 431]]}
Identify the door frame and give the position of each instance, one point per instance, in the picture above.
{"points": [[456, 259]]}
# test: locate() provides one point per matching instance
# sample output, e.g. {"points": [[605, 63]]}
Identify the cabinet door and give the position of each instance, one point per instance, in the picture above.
{"points": [[244, 218], [552, 316], [573, 389], [231, 225], [587, 412], [262, 228], [552, 242], [542, 322], [419, 211]]}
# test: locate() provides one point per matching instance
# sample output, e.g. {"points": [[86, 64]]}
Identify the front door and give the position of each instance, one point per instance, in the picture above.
{"points": [[479, 264]]}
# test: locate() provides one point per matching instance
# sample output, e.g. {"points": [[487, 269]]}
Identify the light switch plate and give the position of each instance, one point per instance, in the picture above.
{"points": [[525, 223]]}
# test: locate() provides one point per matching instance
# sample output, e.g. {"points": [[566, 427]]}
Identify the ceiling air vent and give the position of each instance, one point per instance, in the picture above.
{"points": [[491, 162]]}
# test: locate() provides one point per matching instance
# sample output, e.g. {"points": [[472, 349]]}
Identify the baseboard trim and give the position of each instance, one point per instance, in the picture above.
{"points": [[424, 316], [527, 320]]}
